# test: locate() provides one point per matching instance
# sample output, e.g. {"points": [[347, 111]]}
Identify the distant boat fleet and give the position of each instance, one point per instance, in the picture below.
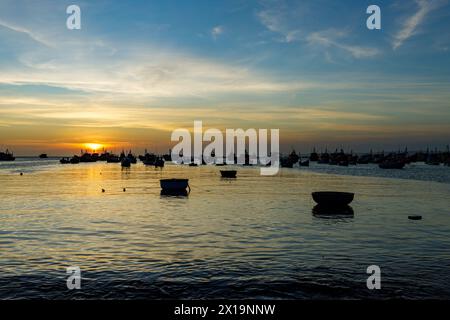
{"points": [[328, 202], [392, 160], [125, 159]]}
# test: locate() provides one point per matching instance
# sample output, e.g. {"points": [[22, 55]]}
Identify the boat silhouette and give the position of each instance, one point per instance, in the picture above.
{"points": [[228, 173], [7, 156], [333, 199], [391, 164], [89, 157], [64, 160], [125, 163], [159, 162], [112, 158], [75, 160], [131, 157], [148, 159], [174, 186], [304, 163]]}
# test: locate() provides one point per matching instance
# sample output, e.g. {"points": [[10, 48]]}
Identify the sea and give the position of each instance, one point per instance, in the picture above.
{"points": [[253, 237]]}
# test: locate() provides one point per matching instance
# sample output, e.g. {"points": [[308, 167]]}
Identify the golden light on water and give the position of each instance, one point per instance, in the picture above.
{"points": [[93, 146]]}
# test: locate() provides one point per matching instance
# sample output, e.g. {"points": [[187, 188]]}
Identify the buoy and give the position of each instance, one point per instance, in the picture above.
{"points": [[21, 173], [124, 189], [103, 190], [415, 217]]}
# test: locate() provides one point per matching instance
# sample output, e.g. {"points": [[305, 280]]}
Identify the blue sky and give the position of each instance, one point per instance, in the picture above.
{"points": [[139, 69]]}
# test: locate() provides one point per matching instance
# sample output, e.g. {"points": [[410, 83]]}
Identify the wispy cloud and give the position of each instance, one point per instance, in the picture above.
{"points": [[328, 38], [275, 19], [410, 25], [25, 31], [217, 31], [142, 73], [280, 19]]}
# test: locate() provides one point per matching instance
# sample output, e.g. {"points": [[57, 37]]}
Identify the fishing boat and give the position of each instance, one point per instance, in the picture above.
{"points": [[314, 156], [286, 163], [43, 156], [332, 198], [364, 159], [132, 157], [304, 163], [333, 162], [64, 160], [125, 163], [159, 163], [228, 173], [148, 159], [148, 162], [7, 156], [343, 163], [174, 185], [104, 156], [293, 157], [391, 164], [75, 160], [112, 158], [88, 157]]}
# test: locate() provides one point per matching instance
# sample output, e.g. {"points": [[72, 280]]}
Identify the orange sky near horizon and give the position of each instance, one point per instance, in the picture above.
{"points": [[324, 81]]}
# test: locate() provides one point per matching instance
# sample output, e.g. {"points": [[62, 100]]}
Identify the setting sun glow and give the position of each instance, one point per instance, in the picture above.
{"points": [[93, 146]]}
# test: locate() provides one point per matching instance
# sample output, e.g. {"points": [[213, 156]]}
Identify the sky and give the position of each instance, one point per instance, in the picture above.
{"points": [[136, 70]]}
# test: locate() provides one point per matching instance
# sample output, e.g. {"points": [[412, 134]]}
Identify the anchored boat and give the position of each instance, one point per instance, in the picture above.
{"points": [[392, 165], [126, 163], [332, 198], [7, 156], [64, 160], [228, 173], [174, 186], [159, 162], [304, 163]]}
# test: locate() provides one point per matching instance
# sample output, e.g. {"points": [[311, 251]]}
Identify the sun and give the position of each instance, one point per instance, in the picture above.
{"points": [[93, 146]]}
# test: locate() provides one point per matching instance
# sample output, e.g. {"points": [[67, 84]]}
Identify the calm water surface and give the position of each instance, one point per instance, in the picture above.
{"points": [[255, 237]]}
